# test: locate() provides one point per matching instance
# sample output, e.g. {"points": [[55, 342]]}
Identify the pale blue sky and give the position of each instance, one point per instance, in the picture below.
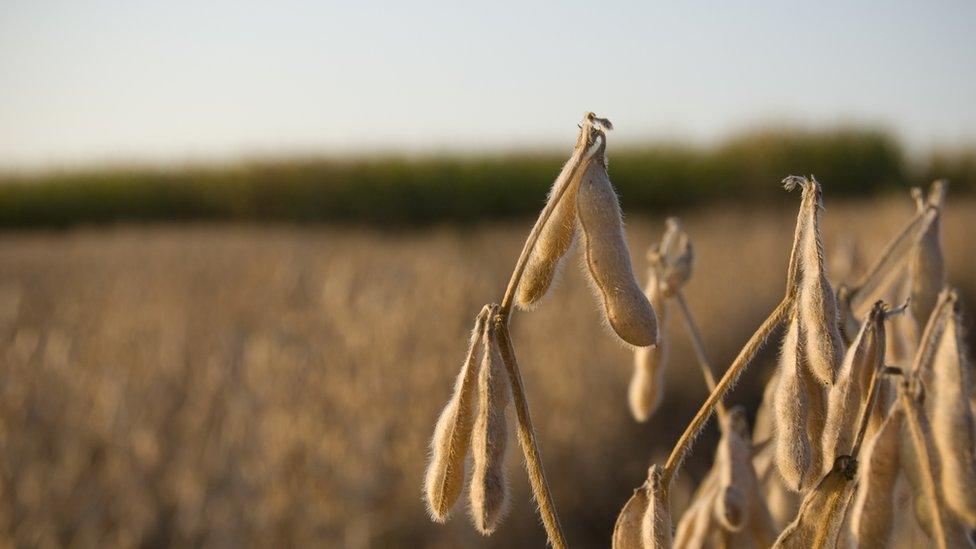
{"points": [[96, 81]]}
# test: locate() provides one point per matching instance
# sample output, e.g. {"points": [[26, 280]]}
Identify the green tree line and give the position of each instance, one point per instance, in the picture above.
{"points": [[420, 190]]}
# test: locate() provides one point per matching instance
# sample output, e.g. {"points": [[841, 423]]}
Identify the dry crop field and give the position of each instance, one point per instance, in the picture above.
{"points": [[236, 385]]}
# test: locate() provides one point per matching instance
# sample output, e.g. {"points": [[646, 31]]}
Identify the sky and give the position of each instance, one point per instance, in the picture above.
{"points": [[131, 81]]}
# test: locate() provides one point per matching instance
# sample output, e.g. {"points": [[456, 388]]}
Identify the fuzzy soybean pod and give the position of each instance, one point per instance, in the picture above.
{"points": [[755, 527], [816, 396], [607, 257], [781, 502], [873, 509], [926, 263], [818, 524], [656, 524], [558, 235], [922, 470], [489, 492], [791, 407], [889, 269], [678, 254], [763, 430], [817, 304], [737, 478], [850, 393], [952, 422], [627, 529], [698, 524], [761, 525], [452, 435], [904, 331], [647, 383]]}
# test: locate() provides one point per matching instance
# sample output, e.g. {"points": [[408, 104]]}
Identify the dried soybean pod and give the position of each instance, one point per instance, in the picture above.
{"points": [[747, 538], [921, 469], [904, 331], [791, 409], [816, 397], [698, 522], [952, 421], [656, 524], [558, 235], [849, 394], [452, 435], [647, 383], [678, 256], [489, 493], [926, 263], [890, 266], [737, 479], [822, 512], [758, 528], [761, 526], [781, 502], [887, 393], [763, 430], [627, 529], [607, 257], [731, 508], [819, 320], [873, 508]]}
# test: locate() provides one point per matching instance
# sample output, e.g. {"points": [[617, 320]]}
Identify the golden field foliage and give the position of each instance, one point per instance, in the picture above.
{"points": [[272, 386]]}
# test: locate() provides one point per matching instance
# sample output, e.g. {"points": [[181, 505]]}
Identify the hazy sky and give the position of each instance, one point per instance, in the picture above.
{"points": [[94, 81]]}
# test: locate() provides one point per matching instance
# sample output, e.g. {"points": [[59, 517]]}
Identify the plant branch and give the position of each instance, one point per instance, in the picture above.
{"points": [[731, 375], [742, 360], [931, 333], [876, 280], [699, 347], [527, 439]]}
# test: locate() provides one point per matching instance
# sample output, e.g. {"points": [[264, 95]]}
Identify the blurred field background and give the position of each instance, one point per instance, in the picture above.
{"points": [[253, 385], [242, 243]]}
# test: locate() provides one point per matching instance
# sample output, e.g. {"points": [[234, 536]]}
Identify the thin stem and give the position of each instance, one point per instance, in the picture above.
{"points": [[889, 263], [741, 361], [699, 347], [933, 330], [527, 439], [731, 375], [921, 449], [862, 428]]}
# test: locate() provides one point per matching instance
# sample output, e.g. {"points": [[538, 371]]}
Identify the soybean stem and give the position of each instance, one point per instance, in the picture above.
{"points": [[731, 375], [933, 330], [876, 378], [699, 347], [741, 361], [527, 439]]}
